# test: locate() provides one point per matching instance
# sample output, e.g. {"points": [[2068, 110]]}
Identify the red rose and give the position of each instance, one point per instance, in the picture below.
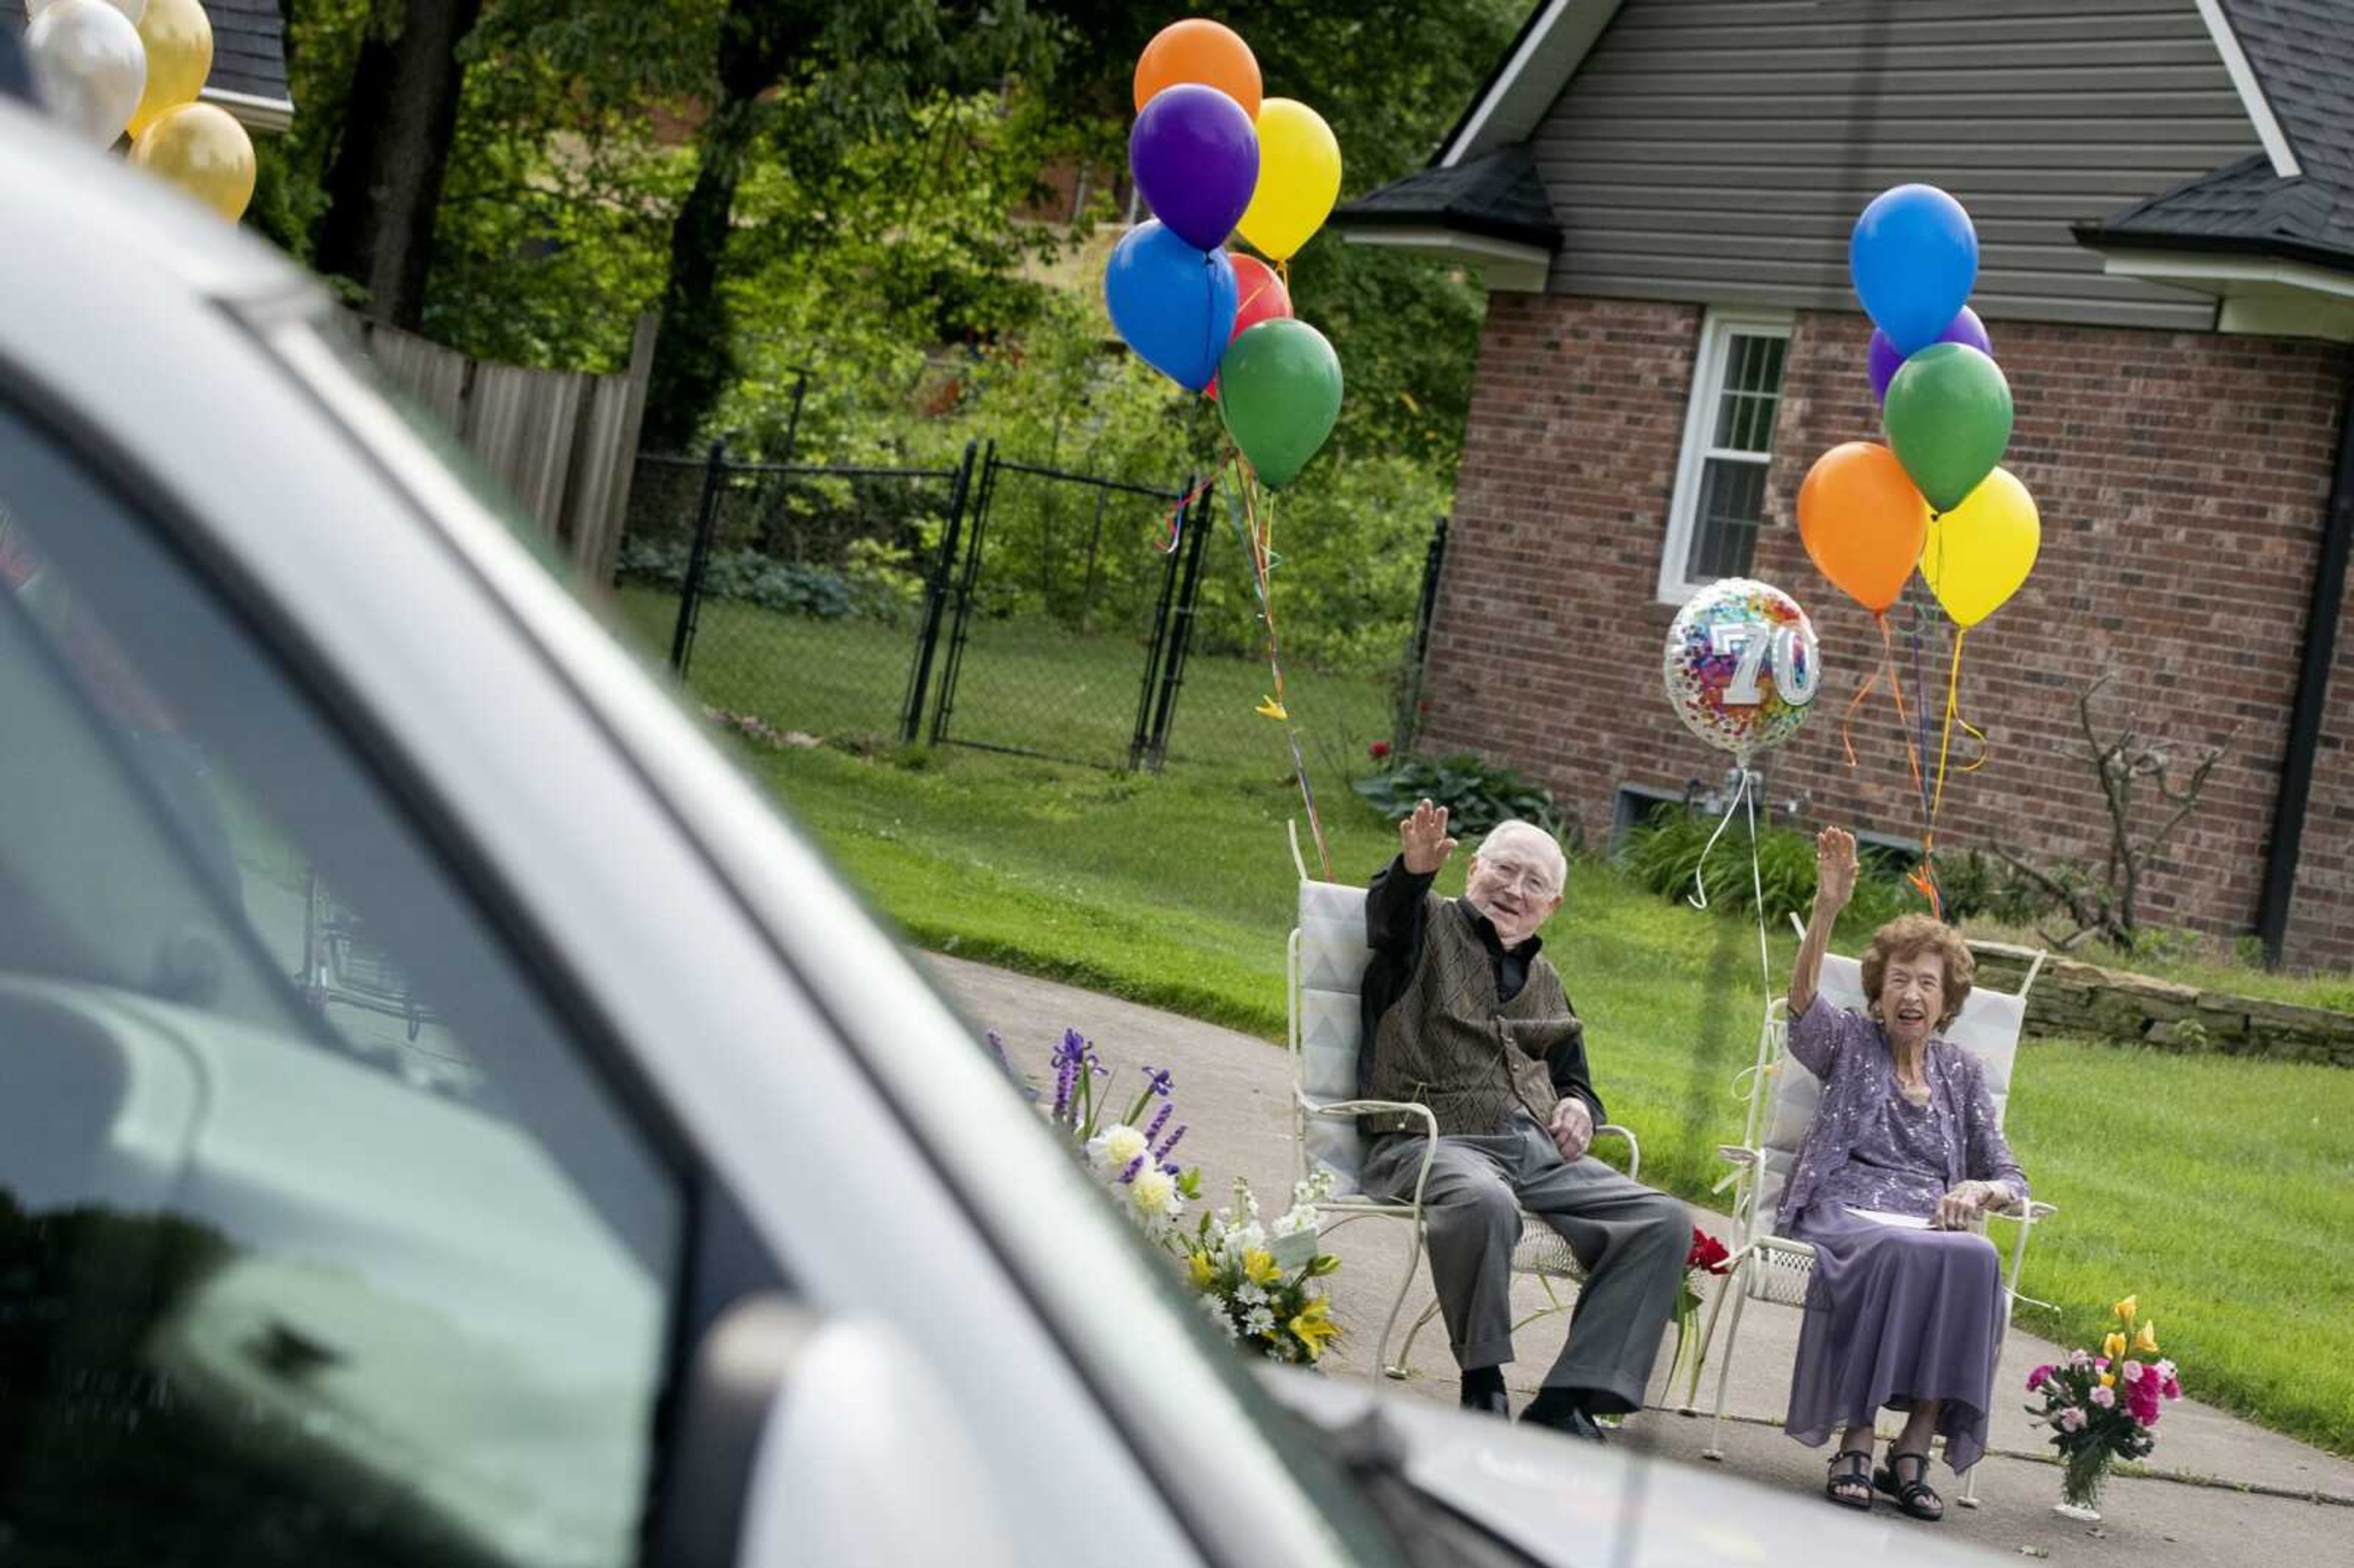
{"points": [[1380, 749], [1706, 1253]]}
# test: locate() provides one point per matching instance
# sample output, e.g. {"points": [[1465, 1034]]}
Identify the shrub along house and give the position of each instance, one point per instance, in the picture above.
{"points": [[1658, 194]]}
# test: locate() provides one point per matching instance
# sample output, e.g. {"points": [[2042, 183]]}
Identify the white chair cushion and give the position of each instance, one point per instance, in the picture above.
{"points": [[1332, 958]]}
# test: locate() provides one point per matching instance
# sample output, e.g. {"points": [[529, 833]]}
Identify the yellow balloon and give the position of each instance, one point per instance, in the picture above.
{"points": [[180, 39], [1298, 179], [205, 151], [1978, 554]]}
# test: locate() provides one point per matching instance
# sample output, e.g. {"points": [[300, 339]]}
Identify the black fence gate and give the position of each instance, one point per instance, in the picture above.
{"points": [[994, 604], [1069, 629]]}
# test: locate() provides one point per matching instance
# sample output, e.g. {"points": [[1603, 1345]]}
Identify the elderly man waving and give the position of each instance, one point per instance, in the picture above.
{"points": [[1462, 1015]]}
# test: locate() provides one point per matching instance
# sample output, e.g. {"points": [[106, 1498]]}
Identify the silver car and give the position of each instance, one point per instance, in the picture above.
{"points": [[448, 1118]]}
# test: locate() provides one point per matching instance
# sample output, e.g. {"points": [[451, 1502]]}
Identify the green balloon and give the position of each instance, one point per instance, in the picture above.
{"points": [[1279, 392], [1948, 419]]}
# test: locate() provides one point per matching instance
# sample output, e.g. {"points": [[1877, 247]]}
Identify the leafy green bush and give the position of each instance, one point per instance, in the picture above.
{"points": [[1477, 795], [1977, 885], [792, 587], [1664, 856]]}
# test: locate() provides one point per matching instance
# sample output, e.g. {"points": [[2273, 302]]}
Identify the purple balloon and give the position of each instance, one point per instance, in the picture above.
{"points": [[1885, 361], [1195, 157]]}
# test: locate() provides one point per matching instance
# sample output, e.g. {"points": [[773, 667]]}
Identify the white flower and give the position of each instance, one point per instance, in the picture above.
{"points": [[1240, 1240], [1155, 1195], [1259, 1320], [1111, 1149], [1217, 1310], [1293, 1222], [1250, 1293]]}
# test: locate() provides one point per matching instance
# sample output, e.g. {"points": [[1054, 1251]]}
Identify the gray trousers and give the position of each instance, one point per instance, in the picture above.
{"points": [[1631, 1239]]}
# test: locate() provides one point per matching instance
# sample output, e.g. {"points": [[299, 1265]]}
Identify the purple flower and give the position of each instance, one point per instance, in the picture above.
{"points": [[1069, 1058], [1170, 1169], [1169, 1142], [1160, 1119], [1158, 1080], [1135, 1167]]}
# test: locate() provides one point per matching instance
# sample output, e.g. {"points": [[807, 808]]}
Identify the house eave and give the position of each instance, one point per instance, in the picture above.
{"points": [[1543, 57], [274, 115], [1506, 266], [2255, 293]]}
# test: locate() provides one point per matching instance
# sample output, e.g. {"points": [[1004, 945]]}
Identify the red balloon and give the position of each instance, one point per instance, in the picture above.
{"points": [[1260, 296]]}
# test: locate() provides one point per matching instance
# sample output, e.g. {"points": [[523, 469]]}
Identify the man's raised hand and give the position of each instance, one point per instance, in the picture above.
{"points": [[1423, 842]]}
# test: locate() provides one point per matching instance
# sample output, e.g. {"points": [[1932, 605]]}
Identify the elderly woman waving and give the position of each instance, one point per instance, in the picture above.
{"points": [[1905, 1305]]}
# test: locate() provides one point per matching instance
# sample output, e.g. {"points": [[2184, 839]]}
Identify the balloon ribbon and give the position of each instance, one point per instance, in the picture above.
{"points": [[1258, 536]]}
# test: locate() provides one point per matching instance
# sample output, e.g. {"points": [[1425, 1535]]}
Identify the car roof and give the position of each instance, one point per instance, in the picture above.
{"points": [[69, 204]]}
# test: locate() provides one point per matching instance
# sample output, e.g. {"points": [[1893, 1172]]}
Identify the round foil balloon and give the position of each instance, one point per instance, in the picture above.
{"points": [[1742, 666]]}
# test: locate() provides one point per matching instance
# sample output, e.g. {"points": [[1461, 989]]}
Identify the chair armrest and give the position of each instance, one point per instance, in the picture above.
{"points": [[1737, 1154], [1359, 1108], [2025, 1213], [1634, 1148]]}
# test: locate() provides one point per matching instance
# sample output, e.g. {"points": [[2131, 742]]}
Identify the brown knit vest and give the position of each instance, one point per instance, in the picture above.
{"points": [[1448, 1044]]}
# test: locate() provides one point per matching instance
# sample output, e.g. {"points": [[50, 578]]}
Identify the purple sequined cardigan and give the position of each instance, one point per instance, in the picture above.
{"points": [[1845, 1050]]}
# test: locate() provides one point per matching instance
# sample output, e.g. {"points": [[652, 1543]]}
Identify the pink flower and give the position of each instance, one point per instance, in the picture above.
{"points": [[2078, 1359], [2100, 1364], [2103, 1395], [2172, 1389], [2071, 1420], [2132, 1372], [2035, 1379]]}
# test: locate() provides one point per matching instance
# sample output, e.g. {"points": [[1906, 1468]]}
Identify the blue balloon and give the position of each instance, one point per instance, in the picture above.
{"points": [[1913, 257], [1171, 303]]}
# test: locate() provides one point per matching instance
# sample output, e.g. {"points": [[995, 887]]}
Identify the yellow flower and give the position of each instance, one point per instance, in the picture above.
{"points": [[1268, 707], [1259, 1267], [2108, 1380], [2147, 1340], [2114, 1347], [1202, 1269], [2125, 1309], [1314, 1326]]}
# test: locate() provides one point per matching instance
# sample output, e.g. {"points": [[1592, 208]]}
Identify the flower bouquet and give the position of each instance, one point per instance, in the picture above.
{"points": [[1707, 1256], [1129, 1156], [2103, 1408], [1258, 1281]]}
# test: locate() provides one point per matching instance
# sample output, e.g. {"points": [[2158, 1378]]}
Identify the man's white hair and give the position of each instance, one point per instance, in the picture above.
{"points": [[1534, 841]]}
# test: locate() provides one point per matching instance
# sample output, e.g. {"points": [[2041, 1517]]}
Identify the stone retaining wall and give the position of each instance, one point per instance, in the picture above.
{"points": [[2083, 1000]]}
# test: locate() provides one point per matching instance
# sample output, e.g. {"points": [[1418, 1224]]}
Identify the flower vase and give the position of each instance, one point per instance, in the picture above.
{"points": [[2080, 1485]]}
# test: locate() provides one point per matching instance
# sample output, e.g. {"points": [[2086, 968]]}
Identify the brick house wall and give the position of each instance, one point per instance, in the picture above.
{"points": [[2182, 479]]}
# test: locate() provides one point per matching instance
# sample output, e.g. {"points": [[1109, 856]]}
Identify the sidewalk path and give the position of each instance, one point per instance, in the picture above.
{"points": [[1234, 1092]]}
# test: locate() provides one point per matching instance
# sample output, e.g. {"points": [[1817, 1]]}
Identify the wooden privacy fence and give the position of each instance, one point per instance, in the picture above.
{"points": [[564, 442]]}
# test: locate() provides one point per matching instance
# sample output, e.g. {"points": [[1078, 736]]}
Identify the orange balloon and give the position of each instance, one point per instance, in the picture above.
{"points": [[1198, 49], [1863, 522]]}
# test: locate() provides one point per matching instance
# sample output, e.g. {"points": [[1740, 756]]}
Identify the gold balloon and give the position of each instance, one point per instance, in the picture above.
{"points": [[205, 151], [180, 39]]}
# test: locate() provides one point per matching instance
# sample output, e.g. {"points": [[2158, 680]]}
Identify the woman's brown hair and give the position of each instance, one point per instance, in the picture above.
{"points": [[1908, 936]]}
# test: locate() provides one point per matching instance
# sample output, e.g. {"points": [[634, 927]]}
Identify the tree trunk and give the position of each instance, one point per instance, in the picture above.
{"points": [[385, 182], [695, 359]]}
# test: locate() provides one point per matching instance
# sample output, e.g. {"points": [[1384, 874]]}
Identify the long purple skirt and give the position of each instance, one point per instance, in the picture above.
{"points": [[1894, 1315]]}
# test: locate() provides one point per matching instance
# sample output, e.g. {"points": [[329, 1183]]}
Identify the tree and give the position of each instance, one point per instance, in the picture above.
{"points": [[384, 187]]}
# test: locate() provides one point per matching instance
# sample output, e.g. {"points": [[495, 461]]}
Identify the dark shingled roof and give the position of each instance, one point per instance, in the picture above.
{"points": [[1499, 194], [2301, 52], [248, 48]]}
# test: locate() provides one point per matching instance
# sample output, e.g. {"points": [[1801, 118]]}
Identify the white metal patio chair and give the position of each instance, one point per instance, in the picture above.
{"points": [[1325, 968], [1782, 1094]]}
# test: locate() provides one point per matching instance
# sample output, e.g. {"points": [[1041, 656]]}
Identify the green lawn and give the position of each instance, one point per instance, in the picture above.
{"points": [[2216, 1188]]}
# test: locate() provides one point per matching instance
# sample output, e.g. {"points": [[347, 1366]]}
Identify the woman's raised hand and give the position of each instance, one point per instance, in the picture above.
{"points": [[1423, 842], [1834, 868]]}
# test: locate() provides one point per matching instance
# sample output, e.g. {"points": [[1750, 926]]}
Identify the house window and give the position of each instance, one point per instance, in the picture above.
{"points": [[1720, 494]]}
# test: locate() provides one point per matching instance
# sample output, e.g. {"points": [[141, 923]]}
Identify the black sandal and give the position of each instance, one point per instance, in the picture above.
{"points": [[1851, 1478], [1915, 1496]]}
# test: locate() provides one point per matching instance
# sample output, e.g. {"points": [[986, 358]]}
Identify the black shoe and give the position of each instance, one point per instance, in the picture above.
{"points": [[1488, 1400], [1563, 1418]]}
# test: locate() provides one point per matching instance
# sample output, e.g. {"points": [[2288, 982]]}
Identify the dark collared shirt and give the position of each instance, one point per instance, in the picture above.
{"points": [[1396, 916]]}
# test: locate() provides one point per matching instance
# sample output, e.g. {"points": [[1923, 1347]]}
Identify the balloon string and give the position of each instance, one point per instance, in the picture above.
{"points": [[1757, 891], [1257, 542], [1847, 720], [1698, 898], [1945, 740], [1986, 746], [1186, 503], [1924, 877]]}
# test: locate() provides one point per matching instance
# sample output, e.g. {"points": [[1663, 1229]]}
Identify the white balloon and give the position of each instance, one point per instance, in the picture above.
{"points": [[133, 9], [90, 66]]}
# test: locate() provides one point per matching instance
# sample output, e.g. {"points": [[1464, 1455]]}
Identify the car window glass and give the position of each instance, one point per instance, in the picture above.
{"points": [[322, 1239]]}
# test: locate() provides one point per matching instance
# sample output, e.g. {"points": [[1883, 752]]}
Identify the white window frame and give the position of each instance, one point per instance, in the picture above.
{"points": [[1717, 333]]}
